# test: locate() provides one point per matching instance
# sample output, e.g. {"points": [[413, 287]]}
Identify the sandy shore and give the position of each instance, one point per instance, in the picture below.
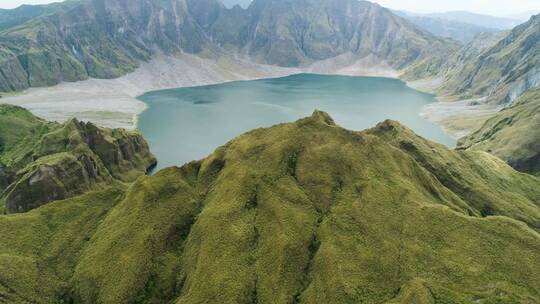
{"points": [[459, 118], [113, 102]]}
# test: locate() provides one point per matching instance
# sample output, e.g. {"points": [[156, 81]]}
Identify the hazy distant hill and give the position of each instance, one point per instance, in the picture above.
{"points": [[460, 31], [485, 21], [13, 17], [525, 15]]}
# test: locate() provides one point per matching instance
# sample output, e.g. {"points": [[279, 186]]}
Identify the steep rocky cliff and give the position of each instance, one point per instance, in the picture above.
{"points": [[43, 162], [305, 212], [291, 33], [106, 39]]}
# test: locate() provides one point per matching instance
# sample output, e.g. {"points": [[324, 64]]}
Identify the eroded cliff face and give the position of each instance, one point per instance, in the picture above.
{"points": [[107, 39], [44, 162]]}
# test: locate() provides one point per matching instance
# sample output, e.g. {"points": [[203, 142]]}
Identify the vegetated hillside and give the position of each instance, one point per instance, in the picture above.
{"points": [[106, 39], [42, 162], [500, 73], [305, 212], [513, 134]]}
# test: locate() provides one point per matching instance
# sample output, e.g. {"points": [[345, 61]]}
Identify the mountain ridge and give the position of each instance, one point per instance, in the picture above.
{"points": [[290, 220], [483, 20]]}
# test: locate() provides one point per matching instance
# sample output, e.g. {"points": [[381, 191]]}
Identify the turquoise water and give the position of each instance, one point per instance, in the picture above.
{"points": [[189, 123]]}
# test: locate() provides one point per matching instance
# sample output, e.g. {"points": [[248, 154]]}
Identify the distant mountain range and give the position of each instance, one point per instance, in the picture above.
{"points": [[458, 30], [481, 20], [459, 25], [77, 40], [13, 17]]}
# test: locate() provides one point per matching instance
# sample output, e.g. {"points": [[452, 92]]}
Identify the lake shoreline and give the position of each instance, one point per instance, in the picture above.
{"points": [[115, 102], [183, 124]]}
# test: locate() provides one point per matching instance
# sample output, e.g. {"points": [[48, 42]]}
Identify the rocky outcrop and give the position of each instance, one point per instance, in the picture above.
{"points": [[44, 162], [6, 177], [460, 31], [52, 178], [125, 154]]}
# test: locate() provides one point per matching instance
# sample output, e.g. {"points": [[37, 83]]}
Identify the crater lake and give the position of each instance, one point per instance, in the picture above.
{"points": [[186, 124]]}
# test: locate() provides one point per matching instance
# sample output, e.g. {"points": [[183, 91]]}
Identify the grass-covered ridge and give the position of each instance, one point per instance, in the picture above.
{"points": [[305, 212], [513, 134], [42, 161]]}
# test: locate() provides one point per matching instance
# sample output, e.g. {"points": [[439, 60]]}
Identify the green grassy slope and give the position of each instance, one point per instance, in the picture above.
{"points": [[41, 161], [40, 249], [305, 212], [513, 134]]}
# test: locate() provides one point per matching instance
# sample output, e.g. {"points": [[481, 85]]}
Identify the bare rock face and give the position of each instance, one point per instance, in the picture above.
{"points": [[43, 162], [124, 154], [43, 183]]}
